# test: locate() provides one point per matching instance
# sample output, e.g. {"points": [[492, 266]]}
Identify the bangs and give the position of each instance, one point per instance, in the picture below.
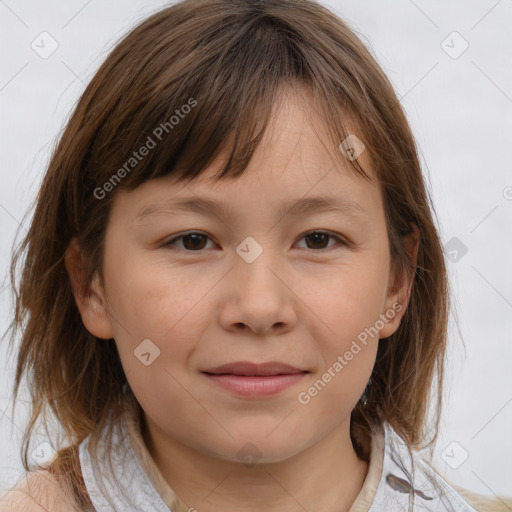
{"points": [[184, 104]]}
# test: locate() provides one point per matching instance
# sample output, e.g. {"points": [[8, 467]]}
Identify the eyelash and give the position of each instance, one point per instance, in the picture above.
{"points": [[171, 244]]}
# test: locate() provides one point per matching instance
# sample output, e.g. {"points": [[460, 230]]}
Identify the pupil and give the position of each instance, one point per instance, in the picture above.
{"points": [[316, 237], [195, 239]]}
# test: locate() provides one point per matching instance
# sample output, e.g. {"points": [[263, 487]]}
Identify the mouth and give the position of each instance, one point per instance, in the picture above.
{"points": [[253, 380]]}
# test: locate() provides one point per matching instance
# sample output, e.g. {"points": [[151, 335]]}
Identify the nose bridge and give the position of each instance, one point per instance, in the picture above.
{"points": [[258, 294], [254, 264]]}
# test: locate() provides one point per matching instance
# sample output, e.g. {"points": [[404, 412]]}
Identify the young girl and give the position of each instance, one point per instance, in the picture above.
{"points": [[286, 362]]}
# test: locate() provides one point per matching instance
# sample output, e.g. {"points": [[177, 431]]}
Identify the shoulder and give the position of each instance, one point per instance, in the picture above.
{"points": [[479, 502], [407, 471], [38, 491], [483, 503]]}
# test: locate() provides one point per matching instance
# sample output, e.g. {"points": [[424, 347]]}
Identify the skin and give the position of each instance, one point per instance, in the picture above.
{"points": [[301, 302]]}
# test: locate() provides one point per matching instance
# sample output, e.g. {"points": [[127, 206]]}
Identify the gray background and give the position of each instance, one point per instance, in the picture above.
{"points": [[460, 109]]}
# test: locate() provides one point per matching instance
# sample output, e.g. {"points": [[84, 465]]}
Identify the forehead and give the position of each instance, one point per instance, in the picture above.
{"points": [[295, 163]]}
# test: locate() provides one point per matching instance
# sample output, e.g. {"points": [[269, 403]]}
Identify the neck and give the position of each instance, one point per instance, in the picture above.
{"points": [[326, 476]]}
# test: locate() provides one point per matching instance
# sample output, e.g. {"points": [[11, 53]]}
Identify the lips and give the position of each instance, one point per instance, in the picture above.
{"points": [[255, 380], [247, 368]]}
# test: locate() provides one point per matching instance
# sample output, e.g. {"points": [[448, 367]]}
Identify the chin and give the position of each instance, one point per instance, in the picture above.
{"points": [[259, 447]]}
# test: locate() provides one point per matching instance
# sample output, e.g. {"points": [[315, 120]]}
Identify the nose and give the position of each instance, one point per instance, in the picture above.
{"points": [[259, 298]]}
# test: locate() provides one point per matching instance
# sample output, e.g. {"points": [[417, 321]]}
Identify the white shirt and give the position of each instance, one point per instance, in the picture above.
{"points": [[127, 480]]}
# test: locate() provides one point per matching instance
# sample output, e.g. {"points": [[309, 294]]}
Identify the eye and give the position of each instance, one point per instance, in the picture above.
{"points": [[192, 242], [195, 241], [320, 238]]}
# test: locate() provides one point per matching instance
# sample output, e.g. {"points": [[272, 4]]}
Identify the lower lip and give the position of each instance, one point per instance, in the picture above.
{"points": [[257, 385]]}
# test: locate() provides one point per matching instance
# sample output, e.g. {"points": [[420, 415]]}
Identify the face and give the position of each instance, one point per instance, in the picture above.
{"points": [[253, 280]]}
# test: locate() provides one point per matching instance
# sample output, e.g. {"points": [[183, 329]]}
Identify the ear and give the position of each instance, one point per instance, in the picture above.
{"points": [[400, 286], [89, 298]]}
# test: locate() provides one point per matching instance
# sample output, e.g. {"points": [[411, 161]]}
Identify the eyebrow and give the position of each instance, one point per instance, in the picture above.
{"points": [[305, 205]]}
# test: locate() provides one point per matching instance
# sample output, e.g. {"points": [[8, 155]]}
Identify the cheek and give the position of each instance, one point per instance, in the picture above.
{"points": [[342, 315], [343, 302], [150, 300], [164, 326], [336, 387], [150, 303]]}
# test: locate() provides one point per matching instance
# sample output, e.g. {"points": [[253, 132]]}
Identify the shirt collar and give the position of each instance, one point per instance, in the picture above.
{"points": [[127, 478]]}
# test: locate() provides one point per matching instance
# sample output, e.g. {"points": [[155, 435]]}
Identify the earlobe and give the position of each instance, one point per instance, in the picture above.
{"points": [[400, 286], [89, 297]]}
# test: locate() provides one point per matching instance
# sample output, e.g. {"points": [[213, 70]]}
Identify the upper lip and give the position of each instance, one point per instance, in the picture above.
{"points": [[248, 368]]}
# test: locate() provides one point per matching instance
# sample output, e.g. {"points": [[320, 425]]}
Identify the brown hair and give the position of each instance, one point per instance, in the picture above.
{"points": [[225, 59]]}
